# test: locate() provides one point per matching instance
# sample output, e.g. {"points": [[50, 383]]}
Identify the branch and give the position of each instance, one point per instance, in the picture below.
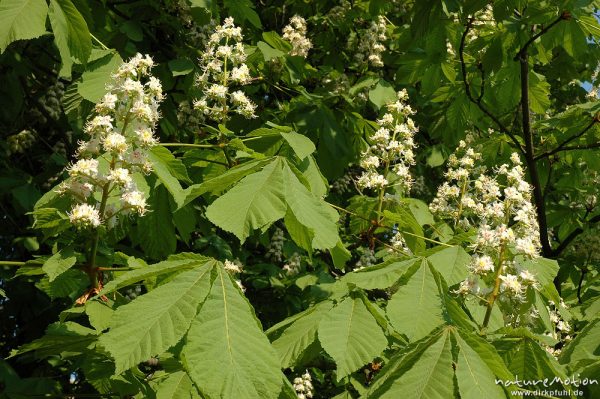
{"points": [[530, 157], [563, 16], [563, 146], [565, 243], [478, 101]]}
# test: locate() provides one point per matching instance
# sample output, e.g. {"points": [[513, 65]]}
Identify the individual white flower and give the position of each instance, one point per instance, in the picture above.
{"points": [[84, 215], [135, 200], [241, 74], [116, 143], [481, 264], [146, 138], [120, 176], [527, 277], [511, 284], [232, 267], [84, 168]]}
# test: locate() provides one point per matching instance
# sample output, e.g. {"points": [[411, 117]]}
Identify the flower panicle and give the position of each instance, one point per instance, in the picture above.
{"points": [[223, 67], [121, 132], [392, 148]]}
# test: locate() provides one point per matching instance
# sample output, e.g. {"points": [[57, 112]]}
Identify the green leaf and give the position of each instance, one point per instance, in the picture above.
{"points": [[171, 265], [584, 348], [99, 314], [301, 235], [351, 336], [475, 379], [254, 203], [169, 171], [528, 360], [311, 211], [545, 270], [487, 353], [420, 296], [225, 180], [451, 263], [339, 255], [302, 145], [300, 335], [181, 66], [59, 263], [275, 41], [226, 353], [243, 10], [269, 52], [426, 374], [155, 229], [71, 34], [93, 81], [380, 276], [21, 20], [539, 94], [177, 385], [382, 94], [60, 338], [154, 322]]}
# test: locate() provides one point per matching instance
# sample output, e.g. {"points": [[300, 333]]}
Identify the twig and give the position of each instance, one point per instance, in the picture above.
{"points": [[478, 101], [563, 146]]}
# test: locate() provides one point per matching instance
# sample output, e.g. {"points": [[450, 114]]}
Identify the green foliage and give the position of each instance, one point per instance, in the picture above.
{"points": [[21, 20], [260, 266]]}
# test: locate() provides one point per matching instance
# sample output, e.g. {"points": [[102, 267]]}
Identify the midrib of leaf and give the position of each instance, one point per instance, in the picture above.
{"points": [[226, 318], [350, 324], [466, 359]]}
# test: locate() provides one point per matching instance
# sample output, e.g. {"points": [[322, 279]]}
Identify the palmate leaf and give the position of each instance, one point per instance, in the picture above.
{"points": [[351, 336], [264, 197], [21, 20], [419, 296], [255, 202], [154, 322], [226, 352]]}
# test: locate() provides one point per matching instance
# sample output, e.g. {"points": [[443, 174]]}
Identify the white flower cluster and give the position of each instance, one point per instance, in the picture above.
{"points": [[370, 47], [562, 330], [121, 132], [223, 65], [500, 208], [235, 268], [303, 386], [295, 33], [392, 149]]}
